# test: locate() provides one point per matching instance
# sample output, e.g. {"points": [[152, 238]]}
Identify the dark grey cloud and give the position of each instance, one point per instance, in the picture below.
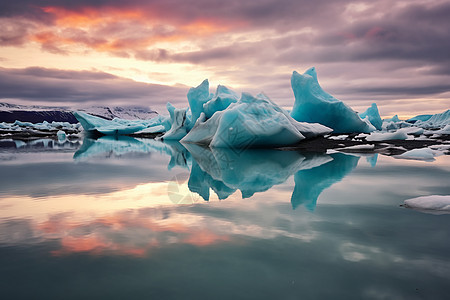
{"points": [[75, 87], [405, 91], [400, 50]]}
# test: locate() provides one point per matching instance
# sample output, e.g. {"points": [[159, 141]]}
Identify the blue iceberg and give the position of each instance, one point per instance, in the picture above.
{"points": [[421, 118], [118, 126], [435, 121], [252, 122], [393, 119], [373, 115], [314, 105]]}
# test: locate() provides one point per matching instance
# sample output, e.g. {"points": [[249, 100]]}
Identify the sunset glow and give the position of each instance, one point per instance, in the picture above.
{"points": [[393, 54]]}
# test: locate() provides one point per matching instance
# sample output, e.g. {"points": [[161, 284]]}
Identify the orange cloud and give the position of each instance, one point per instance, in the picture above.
{"points": [[88, 16], [110, 29]]}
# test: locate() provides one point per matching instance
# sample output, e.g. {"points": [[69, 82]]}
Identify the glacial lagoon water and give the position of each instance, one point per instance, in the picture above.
{"points": [[140, 219]]}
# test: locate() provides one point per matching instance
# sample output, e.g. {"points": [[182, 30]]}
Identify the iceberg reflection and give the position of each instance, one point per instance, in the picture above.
{"points": [[107, 146], [224, 171], [309, 184]]}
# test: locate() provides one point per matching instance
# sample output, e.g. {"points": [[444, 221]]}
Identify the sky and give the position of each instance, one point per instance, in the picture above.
{"points": [[148, 52]]}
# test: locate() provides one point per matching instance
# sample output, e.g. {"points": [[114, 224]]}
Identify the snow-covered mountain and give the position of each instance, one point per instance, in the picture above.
{"points": [[37, 114], [127, 112]]}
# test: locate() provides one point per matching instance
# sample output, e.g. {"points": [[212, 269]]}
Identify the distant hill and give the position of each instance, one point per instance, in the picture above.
{"points": [[37, 114]]}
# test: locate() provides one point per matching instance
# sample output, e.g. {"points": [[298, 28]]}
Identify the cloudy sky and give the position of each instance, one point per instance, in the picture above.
{"points": [[148, 52]]}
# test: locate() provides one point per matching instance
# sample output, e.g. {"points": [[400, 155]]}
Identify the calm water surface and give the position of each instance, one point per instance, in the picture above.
{"points": [[140, 219]]}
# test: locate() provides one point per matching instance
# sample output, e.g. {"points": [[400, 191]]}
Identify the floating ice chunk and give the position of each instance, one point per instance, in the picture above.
{"points": [[364, 147], [416, 131], [425, 154], [108, 127], [338, 137], [116, 126], [442, 148], [445, 130], [385, 136], [252, 122], [373, 115], [90, 122], [433, 202], [221, 100], [361, 136], [314, 105]]}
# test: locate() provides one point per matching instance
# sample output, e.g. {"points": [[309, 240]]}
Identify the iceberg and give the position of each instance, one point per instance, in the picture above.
{"points": [[314, 105], [117, 126], [373, 115], [435, 121], [421, 118], [252, 122], [393, 119]]}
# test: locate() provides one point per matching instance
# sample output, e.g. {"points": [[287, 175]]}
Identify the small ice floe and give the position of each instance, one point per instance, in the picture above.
{"points": [[408, 133], [361, 136], [436, 204], [443, 148], [386, 136], [338, 137], [364, 147], [425, 154], [445, 130], [416, 131]]}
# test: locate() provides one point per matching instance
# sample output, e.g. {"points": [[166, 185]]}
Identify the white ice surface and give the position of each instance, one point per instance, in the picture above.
{"points": [[358, 147], [433, 202]]}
